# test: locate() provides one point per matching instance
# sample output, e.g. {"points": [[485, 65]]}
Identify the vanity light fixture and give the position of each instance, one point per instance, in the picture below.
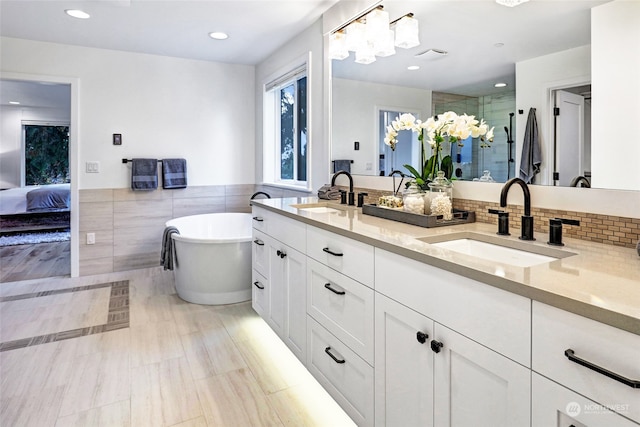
{"points": [[218, 35], [511, 3], [370, 35], [77, 13], [500, 84]]}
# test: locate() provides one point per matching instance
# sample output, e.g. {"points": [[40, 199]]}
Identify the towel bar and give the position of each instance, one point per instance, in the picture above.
{"points": [[130, 160]]}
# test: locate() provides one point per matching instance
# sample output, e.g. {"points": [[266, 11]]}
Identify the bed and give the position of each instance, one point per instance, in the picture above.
{"points": [[35, 208]]}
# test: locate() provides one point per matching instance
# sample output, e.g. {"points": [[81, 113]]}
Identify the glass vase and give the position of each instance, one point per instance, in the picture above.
{"points": [[441, 195]]}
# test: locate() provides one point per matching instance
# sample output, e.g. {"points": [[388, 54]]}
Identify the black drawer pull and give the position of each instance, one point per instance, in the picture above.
{"points": [[327, 250], [258, 218], [258, 242], [258, 285], [280, 253], [436, 346], [328, 351], [422, 337], [328, 286], [607, 373]]}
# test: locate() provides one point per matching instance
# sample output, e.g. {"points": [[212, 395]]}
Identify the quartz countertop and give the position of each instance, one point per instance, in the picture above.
{"points": [[598, 281]]}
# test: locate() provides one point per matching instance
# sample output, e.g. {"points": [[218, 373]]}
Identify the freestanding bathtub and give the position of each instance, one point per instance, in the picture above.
{"points": [[212, 262]]}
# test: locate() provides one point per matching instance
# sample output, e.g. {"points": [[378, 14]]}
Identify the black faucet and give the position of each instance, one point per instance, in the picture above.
{"points": [[257, 193], [585, 182], [527, 219], [351, 195]]}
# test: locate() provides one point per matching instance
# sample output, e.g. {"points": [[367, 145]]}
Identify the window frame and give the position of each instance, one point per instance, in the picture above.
{"points": [[271, 144]]}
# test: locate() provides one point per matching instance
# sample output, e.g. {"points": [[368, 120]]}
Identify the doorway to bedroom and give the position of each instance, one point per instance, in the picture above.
{"points": [[35, 196]]}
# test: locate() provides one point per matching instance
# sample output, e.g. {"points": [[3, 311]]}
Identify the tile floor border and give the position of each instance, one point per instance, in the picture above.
{"points": [[117, 317]]}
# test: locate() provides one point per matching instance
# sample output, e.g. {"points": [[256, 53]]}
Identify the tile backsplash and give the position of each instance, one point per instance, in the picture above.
{"points": [[607, 229]]}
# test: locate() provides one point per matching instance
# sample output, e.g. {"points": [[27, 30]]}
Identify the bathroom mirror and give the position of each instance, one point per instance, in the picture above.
{"points": [[482, 41]]}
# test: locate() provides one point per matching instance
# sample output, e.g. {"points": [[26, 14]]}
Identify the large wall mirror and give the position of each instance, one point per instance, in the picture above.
{"points": [[466, 48]]}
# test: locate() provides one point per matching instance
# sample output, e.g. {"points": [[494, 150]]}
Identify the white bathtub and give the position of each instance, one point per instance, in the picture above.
{"points": [[212, 263]]}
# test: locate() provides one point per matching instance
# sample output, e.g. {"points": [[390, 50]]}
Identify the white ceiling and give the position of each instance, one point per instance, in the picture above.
{"points": [[468, 30], [176, 28]]}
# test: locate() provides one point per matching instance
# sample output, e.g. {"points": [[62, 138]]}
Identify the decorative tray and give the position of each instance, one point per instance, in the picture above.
{"points": [[427, 221]]}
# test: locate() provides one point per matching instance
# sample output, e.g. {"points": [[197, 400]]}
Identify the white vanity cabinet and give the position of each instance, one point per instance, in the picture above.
{"points": [[563, 343], [556, 406], [340, 305], [428, 374], [279, 277]]}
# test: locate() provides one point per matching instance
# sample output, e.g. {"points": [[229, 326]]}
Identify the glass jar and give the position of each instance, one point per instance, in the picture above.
{"points": [[413, 199], [441, 195]]}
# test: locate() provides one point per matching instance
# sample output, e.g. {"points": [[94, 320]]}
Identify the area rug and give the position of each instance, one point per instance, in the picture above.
{"points": [[31, 238]]}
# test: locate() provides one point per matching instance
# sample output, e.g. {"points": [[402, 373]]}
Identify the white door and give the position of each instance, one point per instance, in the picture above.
{"points": [[295, 326], [475, 386], [404, 366], [569, 136]]}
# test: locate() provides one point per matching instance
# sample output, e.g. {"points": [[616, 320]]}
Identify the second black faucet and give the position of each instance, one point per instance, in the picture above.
{"points": [[351, 197]]}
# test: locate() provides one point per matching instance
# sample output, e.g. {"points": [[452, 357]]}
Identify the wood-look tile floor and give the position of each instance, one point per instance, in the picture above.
{"points": [[35, 261], [176, 364]]}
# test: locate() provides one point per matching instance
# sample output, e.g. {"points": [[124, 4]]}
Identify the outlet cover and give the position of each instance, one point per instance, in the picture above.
{"points": [[91, 238]]}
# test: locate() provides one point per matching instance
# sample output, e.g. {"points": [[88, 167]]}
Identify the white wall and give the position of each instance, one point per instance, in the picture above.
{"points": [[309, 40], [615, 33], [355, 117], [11, 138], [534, 79], [162, 106]]}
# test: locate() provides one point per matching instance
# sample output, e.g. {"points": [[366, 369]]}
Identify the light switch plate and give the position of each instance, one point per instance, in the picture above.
{"points": [[93, 167]]}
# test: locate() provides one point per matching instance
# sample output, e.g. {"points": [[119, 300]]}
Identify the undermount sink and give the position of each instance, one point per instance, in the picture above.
{"points": [[320, 207], [497, 249]]}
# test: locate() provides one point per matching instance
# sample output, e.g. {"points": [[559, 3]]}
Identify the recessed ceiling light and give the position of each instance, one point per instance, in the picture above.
{"points": [[413, 67], [500, 85], [14, 102], [218, 35], [511, 3], [76, 13]]}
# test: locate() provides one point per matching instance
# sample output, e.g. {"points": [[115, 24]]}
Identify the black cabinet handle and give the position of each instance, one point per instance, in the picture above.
{"points": [[280, 253], [570, 354], [436, 346], [327, 250], [258, 242], [258, 218], [328, 351], [258, 285], [422, 337], [328, 286]]}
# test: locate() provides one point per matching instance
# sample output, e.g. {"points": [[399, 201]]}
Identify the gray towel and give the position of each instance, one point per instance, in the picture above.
{"points": [[144, 174], [342, 165], [174, 173], [531, 157], [328, 192], [168, 249]]}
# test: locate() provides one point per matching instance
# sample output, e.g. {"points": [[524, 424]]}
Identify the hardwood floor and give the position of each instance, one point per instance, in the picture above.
{"points": [[35, 261], [165, 363]]}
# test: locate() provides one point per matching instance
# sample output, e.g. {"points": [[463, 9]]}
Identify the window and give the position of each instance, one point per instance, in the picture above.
{"points": [[285, 130], [46, 154]]}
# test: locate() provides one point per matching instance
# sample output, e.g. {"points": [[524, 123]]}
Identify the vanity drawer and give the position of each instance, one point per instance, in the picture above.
{"points": [[348, 256], [260, 252], [555, 331], [343, 306], [259, 293], [345, 376], [286, 230], [493, 317]]}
